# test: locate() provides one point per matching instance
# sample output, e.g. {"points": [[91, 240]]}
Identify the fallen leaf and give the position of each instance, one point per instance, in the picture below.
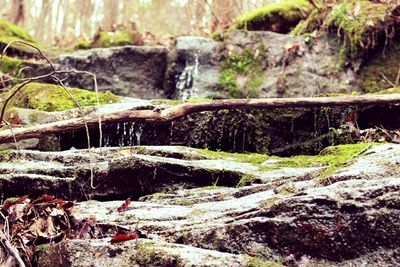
{"points": [[123, 237], [125, 205]]}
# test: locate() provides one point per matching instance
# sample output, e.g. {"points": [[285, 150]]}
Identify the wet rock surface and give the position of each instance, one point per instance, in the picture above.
{"points": [[191, 207], [196, 70]]}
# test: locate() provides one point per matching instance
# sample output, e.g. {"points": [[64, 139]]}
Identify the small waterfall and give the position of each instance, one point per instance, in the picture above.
{"points": [[138, 133], [185, 81], [123, 134]]}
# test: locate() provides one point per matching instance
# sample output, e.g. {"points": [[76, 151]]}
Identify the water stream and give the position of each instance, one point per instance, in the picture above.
{"points": [[186, 80], [124, 134]]}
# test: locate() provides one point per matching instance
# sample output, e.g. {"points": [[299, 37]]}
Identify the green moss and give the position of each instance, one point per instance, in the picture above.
{"points": [[10, 65], [246, 180], [109, 39], [47, 97], [149, 255], [217, 36], [8, 29], [247, 65], [280, 17], [11, 32], [253, 158], [313, 21], [83, 44], [359, 22], [286, 189], [6, 155], [269, 203], [259, 262], [395, 90], [333, 158], [381, 63]]}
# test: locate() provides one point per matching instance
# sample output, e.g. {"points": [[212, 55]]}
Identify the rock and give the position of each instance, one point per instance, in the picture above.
{"points": [[315, 223], [134, 253], [127, 171], [296, 218], [303, 74], [197, 68], [133, 71]]}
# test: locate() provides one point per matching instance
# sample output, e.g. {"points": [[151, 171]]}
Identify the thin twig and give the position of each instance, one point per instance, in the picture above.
{"points": [[86, 128], [389, 81], [11, 249], [12, 132]]}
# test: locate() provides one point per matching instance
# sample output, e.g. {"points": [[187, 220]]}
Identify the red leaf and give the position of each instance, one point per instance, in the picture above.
{"points": [[123, 237], [352, 117], [7, 204], [125, 205], [43, 198], [21, 199], [16, 121]]}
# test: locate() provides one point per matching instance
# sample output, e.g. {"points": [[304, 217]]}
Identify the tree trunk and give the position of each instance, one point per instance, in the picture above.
{"points": [[18, 11], [179, 111]]}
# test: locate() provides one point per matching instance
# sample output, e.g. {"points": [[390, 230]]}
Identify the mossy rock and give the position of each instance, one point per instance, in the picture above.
{"points": [[48, 97], [380, 70], [10, 32], [10, 65], [106, 39], [249, 67], [394, 90], [277, 17], [360, 23]]}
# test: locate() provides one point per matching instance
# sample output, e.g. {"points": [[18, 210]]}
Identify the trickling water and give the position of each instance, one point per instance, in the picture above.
{"points": [[185, 81], [123, 134], [138, 133]]}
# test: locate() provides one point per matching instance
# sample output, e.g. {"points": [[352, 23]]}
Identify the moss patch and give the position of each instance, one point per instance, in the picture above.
{"points": [[259, 262], [381, 63], [47, 97], [149, 255], [253, 158], [247, 66], [278, 17], [360, 23], [11, 32], [332, 158], [10, 65], [109, 39], [395, 90], [247, 179]]}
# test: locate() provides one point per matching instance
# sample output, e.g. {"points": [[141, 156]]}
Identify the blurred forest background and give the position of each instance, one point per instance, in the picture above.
{"points": [[61, 22]]}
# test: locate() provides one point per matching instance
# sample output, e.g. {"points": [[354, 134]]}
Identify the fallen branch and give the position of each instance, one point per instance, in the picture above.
{"points": [[176, 112]]}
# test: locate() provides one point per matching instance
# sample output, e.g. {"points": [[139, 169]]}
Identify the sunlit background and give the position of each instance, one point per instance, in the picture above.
{"points": [[63, 21]]}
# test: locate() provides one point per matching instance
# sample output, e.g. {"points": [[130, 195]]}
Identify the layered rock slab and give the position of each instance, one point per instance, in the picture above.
{"points": [[339, 221]]}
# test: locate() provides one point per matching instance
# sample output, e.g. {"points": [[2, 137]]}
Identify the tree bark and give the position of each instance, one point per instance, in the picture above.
{"points": [[173, 113], [18, 10]]}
